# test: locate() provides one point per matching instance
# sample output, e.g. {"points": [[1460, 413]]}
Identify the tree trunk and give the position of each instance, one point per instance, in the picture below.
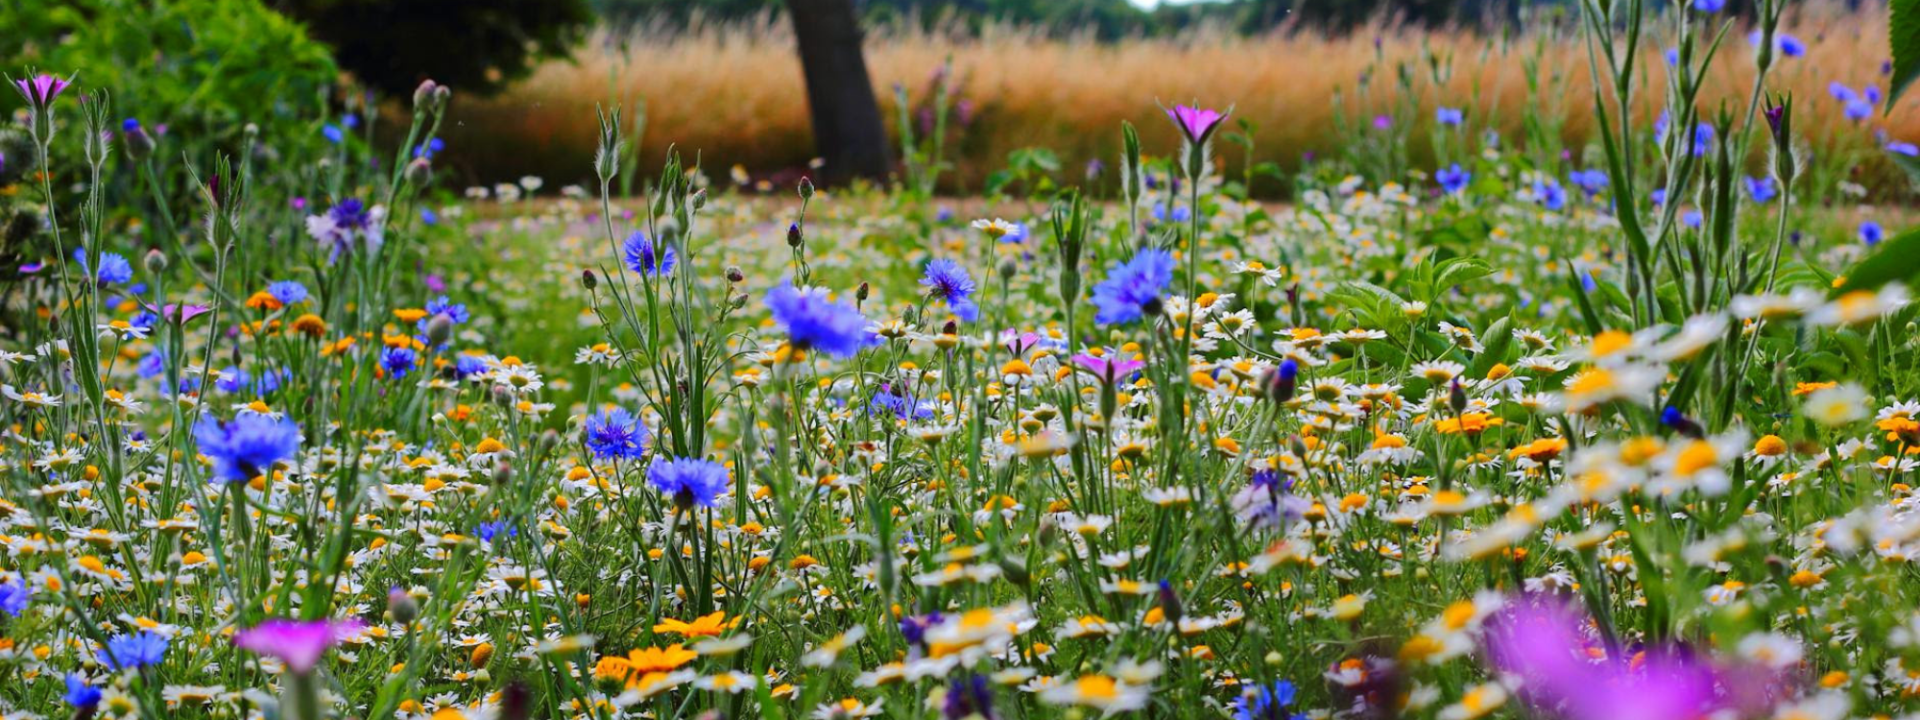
{"points": [[847, 130]]}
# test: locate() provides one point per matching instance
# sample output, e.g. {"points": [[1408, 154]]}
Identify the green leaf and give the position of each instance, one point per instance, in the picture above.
{"points": [[1903, 34], [1495, 341], [1896, 260]]}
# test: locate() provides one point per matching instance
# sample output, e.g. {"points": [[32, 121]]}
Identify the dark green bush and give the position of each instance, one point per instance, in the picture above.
{"points": [[473, 46]]}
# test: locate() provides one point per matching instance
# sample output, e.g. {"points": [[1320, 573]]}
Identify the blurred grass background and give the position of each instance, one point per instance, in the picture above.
{"points": [[733, 92]]}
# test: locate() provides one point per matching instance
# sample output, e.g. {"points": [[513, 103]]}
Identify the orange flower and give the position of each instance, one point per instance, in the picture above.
{"points": [[703, 626]]}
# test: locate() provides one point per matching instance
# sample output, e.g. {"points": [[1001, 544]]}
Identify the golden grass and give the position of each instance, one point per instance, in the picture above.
{"points": [[735, 93]]}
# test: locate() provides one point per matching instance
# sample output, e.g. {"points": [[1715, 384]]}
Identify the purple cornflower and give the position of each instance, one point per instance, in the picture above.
{"points": [[948, 281], [1453, 179], [1133, 288], [813, 322], [246, 447], [297, 643], [689, 481], [615, 433], [1108, 371], [347, 222], [1197, 124], [41, 90], [646, 259], [1542, 639]]}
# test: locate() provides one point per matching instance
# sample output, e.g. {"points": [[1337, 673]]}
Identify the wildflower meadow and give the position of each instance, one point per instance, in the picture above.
{"points": [[297, 427]]}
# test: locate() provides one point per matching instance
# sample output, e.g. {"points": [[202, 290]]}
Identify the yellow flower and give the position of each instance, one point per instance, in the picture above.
{"points": [[703, 626]]}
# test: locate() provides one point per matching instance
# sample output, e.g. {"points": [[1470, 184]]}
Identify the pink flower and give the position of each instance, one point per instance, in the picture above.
{"points": [[1543, 641], [1108, 371], [298, 643], [41, 90], [183, 313], [1019, 343], [1197, 123]]}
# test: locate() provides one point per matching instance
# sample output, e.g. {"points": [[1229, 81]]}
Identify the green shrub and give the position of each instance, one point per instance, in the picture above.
{"points": [[204, 68]]}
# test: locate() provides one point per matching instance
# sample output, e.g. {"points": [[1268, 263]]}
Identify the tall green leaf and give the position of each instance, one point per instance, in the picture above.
{"points": [[1903, 33]]}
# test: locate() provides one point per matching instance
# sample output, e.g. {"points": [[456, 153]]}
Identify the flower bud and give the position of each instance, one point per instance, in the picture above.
{"points": [[419, 172], [139, 143], [806, 189], [1282, 381], [502, 474], [156, 262], [735, 275], [423, 96], [794, 237], [441, 95], [588, 280], [863, 292], [1170, 603], [1008, 269], [402, 606], [439, 329], [1456, 396]]}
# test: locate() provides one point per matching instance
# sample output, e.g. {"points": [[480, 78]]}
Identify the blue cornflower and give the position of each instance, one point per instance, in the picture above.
{"points": [[1549, 194], [487, 531], [1788, 45], [1591, 181], [1265, 702], [13, 598], [1870, 232], [1702, 138], [950, 282], [689, 481], [1709, 6], [1179, 215], [615, 433], [1903, 148], [456, 312], [288, 292], [127, 652], [644, 258], [152, 364], [144, 320], [467, 366], [1858, 109], [899, 404], [814, 322], [232, 380], [1761, 189], [398, 361], [1017, 234], [1841, 92], [1453, 179], [1449, 116], [426, 151], [1673, 56], [1691, 218], [1659, 196], [79, 693], [248, 446], [333, 133], [1133, 288], [114, 268]]}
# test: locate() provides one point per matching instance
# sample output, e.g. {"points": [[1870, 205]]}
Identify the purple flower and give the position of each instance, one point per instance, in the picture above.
{"points": [[1382, 122], [1133, 288], [948, 281], [1543, 640], [1449, 116], [1761, 189], [297, 643], [689, 481], [41, 90], [183, 313], [1197, 124], [644, 258], [616, 433], [345, 223], [1109, 371], [813, 322], [1549, 194], [248, 446]]}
